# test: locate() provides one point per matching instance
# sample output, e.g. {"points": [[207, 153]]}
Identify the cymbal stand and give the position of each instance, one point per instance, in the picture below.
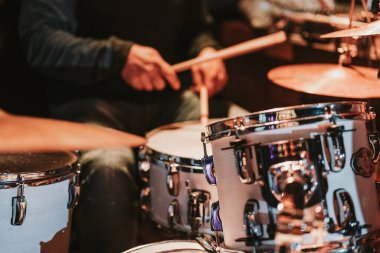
{"points": [[345, 57]]}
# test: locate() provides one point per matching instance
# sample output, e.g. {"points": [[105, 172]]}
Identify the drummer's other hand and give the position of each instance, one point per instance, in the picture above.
{"points": [[213, 73], [144, 69]]}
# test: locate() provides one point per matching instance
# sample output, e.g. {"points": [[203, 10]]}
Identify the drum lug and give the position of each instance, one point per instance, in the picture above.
{"points": [[345, 215], [208, 169], [198, 207], [216, 222], [335, 139], [374, 136], [144, 170], [208, 163], [173, 213], [145, 203], [374, 141], [74, 190], [172, 179], [19, 206], [243, 154], [253, 228]]}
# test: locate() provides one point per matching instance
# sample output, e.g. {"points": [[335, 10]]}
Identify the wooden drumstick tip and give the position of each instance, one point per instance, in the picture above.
{"points": [[204, 111]]}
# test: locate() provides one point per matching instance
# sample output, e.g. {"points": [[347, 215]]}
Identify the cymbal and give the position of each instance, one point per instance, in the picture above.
{"points": [[328, 80], [372, 28], [31, 134]]}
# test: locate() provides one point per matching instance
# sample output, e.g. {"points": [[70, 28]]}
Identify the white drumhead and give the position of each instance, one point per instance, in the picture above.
{"points": [[179, 139], [168, 246]]}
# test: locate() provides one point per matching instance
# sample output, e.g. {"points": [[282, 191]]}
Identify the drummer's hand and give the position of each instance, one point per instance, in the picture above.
{"points": [[145, 69], [213, 73]]}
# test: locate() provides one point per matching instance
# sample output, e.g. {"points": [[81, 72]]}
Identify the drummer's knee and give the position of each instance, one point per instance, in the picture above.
{"points": [[107, 172]]}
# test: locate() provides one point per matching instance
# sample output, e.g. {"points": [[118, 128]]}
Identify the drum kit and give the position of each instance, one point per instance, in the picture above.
{"points": [[294, 179]]}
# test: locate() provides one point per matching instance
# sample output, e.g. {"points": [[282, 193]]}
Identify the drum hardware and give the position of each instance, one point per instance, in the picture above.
{"points": [[284, 164], [145, 204], [366, 243], [345, 213], [74, 188], [334, 139], [144, 166], [208, 163], [253, 228], [215, 221], [373, 136], [208, 243], [19, 205], [173, 213], [209, 170], [172, 179], [198, 207], [243, 154]]}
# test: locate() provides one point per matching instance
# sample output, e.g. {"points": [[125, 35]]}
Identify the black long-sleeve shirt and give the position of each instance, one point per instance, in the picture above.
{"points": [[81, 45]]}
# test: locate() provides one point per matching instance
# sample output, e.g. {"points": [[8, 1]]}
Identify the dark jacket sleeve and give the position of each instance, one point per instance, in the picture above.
{"points": [[203, 21], [47, 34]]}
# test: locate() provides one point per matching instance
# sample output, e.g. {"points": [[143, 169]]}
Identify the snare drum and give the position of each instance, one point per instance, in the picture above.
{"points": [[348, 152], [37, 193], [177, 194], [169, 246]]}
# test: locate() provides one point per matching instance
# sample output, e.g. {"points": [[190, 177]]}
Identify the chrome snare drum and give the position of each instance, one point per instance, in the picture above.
{"points": [[177, 194], [37, 193], [249, 198]]}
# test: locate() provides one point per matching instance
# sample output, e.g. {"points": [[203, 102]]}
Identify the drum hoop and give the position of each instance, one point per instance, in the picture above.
{"points": [[12, 180], [159, 243], [183, 164], [314, 112]]}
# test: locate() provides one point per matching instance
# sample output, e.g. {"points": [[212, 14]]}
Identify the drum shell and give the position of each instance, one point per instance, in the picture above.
{"points": [[233, 194], [48, 218], [161, 199], [176, 146]]}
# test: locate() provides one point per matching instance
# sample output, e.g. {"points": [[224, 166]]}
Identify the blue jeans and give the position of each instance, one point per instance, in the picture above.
{"points": [[106, 218]]}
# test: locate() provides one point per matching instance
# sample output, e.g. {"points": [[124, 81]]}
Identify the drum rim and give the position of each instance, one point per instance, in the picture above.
{"points": [[188, 165], [162, 242], [13, 179], [226, 127], [184, 164]]}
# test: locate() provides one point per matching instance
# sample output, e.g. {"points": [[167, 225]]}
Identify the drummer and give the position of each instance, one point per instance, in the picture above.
{"points": [[108, 63]]}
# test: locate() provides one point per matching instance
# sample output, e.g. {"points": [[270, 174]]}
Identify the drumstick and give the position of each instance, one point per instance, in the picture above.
{"points": [[203, 97], [234, 51]]}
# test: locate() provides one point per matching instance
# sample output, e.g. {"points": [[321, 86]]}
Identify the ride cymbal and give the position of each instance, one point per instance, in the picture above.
{"points": [[328, 80], [30, 134]]}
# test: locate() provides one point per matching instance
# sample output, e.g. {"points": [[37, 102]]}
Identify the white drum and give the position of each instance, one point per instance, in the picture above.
{"points": [[169, 246], [177, 194], [248, 186], [37, 194]]}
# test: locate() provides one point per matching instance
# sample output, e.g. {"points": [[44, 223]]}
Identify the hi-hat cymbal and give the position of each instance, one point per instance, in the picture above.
{"points": [[30, 134], [328, 80], [372, 28]]}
